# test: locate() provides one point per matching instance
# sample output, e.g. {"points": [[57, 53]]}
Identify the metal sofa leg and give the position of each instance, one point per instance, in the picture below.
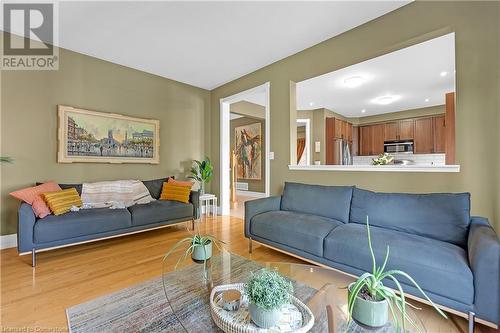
{"points": [[33, 258], [250, 245], [471, 321], [192, 223]]}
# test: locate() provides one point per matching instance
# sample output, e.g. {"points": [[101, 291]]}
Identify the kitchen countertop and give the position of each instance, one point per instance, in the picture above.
{"points": [[379, 168]]}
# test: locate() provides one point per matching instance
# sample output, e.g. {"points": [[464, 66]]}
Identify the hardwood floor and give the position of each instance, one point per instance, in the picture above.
{"points": [[37, 297]]}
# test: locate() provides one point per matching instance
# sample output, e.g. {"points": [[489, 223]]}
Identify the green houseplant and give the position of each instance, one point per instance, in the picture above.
{"points": [[197, 246], [202, 172], [267, 292], [369, 300], [6, 159]]}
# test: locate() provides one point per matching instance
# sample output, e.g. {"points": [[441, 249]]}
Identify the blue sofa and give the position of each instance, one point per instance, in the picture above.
{"points": [[454, 257], [93, 224]]}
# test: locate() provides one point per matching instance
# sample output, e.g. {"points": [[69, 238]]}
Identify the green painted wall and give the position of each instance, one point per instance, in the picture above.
{"points": [[477, 28], [29, 102]]}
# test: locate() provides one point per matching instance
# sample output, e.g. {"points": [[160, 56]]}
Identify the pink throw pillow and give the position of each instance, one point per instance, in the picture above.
{"points": [[32, 196]]}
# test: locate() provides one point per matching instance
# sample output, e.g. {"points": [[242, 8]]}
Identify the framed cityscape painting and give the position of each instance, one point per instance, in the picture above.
{"points": [[248, 148], [90, 136]]}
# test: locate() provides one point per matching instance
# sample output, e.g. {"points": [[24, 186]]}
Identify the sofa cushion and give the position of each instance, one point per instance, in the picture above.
{"points": [[301, 231], [329, 201], [159, 211], [154, 186], [439, 267], [442, 216], [81, 223]]}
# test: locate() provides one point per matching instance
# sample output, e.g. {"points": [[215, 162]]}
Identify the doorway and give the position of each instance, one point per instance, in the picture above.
{"points": [[244, 144]]}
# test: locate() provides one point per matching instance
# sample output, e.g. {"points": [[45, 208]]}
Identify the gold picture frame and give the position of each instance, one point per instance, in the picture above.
{"points": [[99, 137]]}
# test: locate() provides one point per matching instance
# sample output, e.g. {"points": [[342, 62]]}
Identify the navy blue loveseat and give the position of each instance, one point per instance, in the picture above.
{"points": [[454, 257], [93, 224]]}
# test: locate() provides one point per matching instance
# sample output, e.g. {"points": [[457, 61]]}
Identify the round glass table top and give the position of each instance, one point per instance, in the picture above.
{"points": [[188, 284]]}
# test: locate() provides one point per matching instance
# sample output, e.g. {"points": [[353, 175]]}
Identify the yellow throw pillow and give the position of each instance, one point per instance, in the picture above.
{"points": [[60, 202], [175, 192]]}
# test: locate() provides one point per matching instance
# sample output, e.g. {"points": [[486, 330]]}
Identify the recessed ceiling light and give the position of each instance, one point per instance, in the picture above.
{"points": [[354, 81], [363, 111], [311, 103], [426, 99], [386, 99], [444, 73]]}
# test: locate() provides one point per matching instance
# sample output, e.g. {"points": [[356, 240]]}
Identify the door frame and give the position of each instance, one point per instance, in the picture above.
{"points": [[225, 139], [307, 123]]}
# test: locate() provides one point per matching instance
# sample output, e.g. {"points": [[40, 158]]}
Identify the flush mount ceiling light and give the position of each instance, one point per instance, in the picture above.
{"points": [[386, 99], [311, 103], [363, 111], [444, 73], [354, 81], [426, 99]]}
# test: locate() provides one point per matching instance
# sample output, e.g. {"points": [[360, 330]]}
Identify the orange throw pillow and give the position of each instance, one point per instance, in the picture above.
{"points": [[175, 192], [180, 183], [32, 196]]}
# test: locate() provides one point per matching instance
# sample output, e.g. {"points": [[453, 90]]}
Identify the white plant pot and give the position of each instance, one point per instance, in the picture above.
{"points": [[202, 253], [370, 313], [264, 318]]}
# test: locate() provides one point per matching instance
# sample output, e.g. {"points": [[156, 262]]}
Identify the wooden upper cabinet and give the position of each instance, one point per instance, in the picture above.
{"points": [[377, 132], [365, 140], [406, 129], [424, 136], [391, 131], [439, 134], [349, 132], [399, 130], [338, 128], [329, 140]]}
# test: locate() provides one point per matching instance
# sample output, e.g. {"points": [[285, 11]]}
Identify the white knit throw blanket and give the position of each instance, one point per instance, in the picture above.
{"points": [[115, 194]]}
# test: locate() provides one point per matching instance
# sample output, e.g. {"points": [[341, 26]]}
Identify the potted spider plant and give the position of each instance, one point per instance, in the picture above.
{"points": [[369, 300], [267, 292], [197, 246], [202, 172]]}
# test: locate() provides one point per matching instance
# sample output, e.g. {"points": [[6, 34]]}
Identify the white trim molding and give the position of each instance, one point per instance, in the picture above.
{"points": [[251, 194], [378, 168], [225, 186], [8, 241]]}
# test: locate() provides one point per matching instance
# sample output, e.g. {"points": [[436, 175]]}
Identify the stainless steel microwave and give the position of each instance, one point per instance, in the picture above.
{"points": [[393, 147]]}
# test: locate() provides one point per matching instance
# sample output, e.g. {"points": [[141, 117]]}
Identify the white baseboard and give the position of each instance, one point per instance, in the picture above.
{"points": [[8, 241], [251, 194]]}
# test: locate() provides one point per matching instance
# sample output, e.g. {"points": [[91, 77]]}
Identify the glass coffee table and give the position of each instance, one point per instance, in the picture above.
{"points": [[188, 286]]}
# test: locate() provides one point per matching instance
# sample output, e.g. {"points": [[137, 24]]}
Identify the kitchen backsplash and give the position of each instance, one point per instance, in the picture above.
{"points": [[418, 159]]}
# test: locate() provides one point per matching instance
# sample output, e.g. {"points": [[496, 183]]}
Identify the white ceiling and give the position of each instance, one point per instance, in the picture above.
{"points": [[206, 44], [413, 73]]}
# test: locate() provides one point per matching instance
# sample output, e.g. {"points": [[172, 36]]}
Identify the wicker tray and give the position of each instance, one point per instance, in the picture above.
{"points": [[296, 318]]}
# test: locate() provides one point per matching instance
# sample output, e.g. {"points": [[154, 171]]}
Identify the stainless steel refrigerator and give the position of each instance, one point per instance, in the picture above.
{"points": [[342, 151]]}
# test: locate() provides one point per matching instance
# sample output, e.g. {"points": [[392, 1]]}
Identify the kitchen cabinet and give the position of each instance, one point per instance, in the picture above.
{"points": [[338, 128], [439, 134], [424, 136], [365, 140], [349, 132], [406, 129], [371, 139], [391, 131], [399, 130], [377, 132]]}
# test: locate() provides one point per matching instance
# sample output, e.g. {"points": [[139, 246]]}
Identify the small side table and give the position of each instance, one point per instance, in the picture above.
{"points": [[210, 202]]}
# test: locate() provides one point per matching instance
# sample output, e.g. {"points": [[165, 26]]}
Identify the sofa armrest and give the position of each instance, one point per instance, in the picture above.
{"points": [[484, 260], [258, 206], [25, 223], [194, 198]]}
